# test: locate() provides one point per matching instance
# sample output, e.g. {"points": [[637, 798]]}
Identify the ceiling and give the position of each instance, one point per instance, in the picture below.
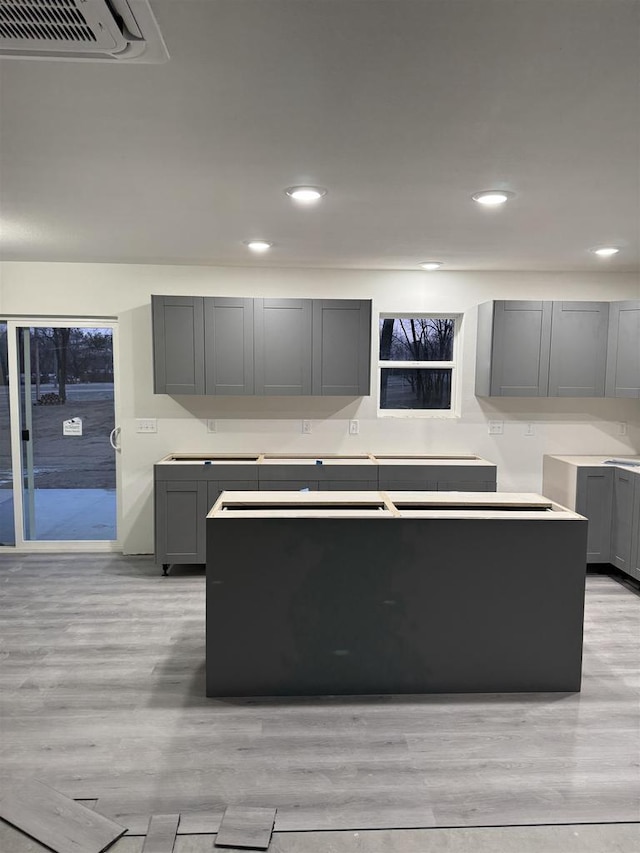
{"points": [[400, 108]]}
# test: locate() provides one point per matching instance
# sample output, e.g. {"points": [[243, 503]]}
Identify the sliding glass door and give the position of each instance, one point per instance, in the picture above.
{"points": [[64, 427]]}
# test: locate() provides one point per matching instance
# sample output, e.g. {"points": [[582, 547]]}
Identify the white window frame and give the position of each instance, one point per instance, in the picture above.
{"points": [[453, 365]]}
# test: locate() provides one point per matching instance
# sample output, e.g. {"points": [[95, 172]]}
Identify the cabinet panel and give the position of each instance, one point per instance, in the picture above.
{"points": [[288, 485], [216, 487], [341, 347], [594, 496], [520, 352], [181, 508], [282, 346], [634, 567], [622, 521], [349, 485], [623, 354], [178, 344], [578, 349], [228, 326]]}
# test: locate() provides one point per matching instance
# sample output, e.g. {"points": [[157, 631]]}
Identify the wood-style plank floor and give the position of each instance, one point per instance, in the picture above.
{"points": [[102, 697]]}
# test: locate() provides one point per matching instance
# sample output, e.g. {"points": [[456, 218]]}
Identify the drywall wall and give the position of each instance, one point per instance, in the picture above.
{"points": [[274, 424]]}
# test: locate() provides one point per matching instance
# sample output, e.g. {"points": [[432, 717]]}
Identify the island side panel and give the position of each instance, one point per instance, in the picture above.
{"points": [[303, 606]]}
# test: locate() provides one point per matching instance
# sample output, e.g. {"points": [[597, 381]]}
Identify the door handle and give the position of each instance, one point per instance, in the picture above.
{"points": [[115, 432]]}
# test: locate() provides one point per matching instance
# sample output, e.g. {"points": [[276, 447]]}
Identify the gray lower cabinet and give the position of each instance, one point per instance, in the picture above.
{"points": [[178, 344], [622, 532], [180, 514], [594, 500], [341, 347], [282, 339], [577, 365], [185, 493], [228, 348], [437, 478], [623, 354], [634, 567]]}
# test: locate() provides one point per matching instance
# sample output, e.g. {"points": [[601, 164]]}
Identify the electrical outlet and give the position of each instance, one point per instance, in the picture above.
{"points": [[530, 429], [354, 427], [306, 427], [622, 428], [496, 427], [146, 425], [212, 426]]}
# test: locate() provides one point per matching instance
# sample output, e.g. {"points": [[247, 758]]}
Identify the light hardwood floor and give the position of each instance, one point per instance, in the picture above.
{"points": [[102, 697]]}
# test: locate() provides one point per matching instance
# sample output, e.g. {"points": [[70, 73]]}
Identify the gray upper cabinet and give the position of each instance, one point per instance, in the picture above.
{"points": [[558, 349], [623, 354], [577, 365], [178, 344], [241, 346], [228, 334], [282, 336], [513, 349], [341, 347]]}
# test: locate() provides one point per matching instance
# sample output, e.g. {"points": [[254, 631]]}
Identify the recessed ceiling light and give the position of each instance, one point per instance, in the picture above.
{"points": [[492, 198], [306, 195], [258, 245], [431, 265], [605, 251]]}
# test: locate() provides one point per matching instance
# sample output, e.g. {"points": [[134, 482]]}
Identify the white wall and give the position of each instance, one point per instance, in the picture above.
{"points": [[274, 424]]}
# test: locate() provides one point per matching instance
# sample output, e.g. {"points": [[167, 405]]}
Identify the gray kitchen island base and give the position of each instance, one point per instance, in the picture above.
{"points": [[326, 605]]}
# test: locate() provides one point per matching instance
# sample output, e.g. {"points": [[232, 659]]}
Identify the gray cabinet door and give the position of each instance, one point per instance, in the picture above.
{"points": [[178, 344], [228, 330], [341, 347], [623, 354], [282, 346], [622, 518], [594, 497], [520, 350], [578, 349], [180, 514]]}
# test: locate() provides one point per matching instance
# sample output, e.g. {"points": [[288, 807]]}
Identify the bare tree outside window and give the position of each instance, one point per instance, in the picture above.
{"points": [[416, 362]]}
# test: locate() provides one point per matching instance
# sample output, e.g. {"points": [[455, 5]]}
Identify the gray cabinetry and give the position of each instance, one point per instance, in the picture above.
{"points": [[432, 478], [594, 496], [228, 334], [180, 513], [622, 519], [341, 347], [282, 346], [513, 349], [577, 366], [557, 349], [178, 344], [634, 567], [623, 354]]}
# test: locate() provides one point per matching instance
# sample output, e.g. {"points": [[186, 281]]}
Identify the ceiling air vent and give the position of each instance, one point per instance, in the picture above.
{"points": [[98, 30]]}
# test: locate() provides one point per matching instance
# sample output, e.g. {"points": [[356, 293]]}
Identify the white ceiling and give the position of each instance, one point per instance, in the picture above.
{"points": [[401, 108]]}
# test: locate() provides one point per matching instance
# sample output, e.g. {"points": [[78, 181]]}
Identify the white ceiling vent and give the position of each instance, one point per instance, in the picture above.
{"points": [[102, 30]]}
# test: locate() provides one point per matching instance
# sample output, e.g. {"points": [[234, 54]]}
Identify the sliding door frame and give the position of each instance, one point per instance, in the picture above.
{"points": [[14, 322]]}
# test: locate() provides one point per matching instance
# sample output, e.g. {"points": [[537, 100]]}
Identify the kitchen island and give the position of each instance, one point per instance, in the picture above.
{"points": [[393, 592]]}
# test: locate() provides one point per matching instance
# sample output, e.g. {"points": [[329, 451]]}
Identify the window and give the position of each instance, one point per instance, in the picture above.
{"points": [[417, 363]]}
